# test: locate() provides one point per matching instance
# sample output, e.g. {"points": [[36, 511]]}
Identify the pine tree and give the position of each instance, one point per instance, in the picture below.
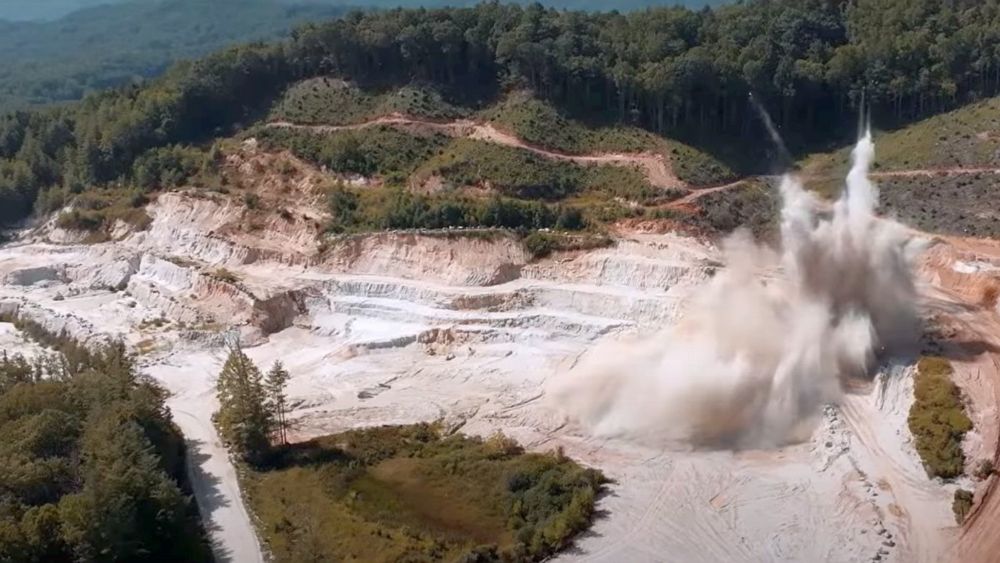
{"points": [[277, 380], [244, 419]]}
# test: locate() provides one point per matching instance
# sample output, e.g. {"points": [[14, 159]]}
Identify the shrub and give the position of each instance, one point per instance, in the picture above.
{"points": [[541, 245], [962, 505], [984, 469], [252, 201], [224, 275], [937, 419], [172, 166], [538, 245], [990, 295], [80, 220], [97, 211]]}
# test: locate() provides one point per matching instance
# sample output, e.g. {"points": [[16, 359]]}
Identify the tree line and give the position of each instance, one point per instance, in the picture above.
{"points": [[91, 464], [253, 407], [674, 71]]}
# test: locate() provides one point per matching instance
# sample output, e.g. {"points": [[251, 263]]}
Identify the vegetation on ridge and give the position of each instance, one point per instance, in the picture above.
{"points": [[937, 419], [331, 101]]}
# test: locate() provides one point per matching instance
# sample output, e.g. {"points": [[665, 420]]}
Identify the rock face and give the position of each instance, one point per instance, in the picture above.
{"points": [[452, 259], [32, 276]]}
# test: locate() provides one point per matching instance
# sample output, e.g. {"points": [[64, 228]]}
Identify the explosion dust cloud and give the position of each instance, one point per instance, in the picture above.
{"points": [[770, 339]]}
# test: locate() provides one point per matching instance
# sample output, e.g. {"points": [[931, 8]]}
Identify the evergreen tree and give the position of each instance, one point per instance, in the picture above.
{"points": [[277, 381], [128, 506], [244, 420], [90, 461]]}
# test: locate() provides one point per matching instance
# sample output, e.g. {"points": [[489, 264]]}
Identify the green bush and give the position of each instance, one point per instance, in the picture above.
{"points": [[538, 245], [937, 419]]}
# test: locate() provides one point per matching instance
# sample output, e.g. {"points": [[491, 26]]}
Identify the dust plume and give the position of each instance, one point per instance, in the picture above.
{"points": [[770, 339]]}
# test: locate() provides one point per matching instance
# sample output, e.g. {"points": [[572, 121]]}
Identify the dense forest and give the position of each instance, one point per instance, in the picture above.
{"points": [[91, 465], [673, 71]]}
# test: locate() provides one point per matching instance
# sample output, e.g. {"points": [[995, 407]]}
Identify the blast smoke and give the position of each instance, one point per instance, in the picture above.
{"points": [[772, 131], [770, 339]]}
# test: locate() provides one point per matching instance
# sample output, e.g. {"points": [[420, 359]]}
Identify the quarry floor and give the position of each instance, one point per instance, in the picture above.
{"points": [[403, 327]]}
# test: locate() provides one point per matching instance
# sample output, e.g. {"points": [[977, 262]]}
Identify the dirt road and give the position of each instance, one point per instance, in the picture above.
{"points": [[213, 476]]}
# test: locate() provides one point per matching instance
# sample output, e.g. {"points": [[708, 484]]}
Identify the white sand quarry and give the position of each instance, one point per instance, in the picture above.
{"points": [[400, 328]]}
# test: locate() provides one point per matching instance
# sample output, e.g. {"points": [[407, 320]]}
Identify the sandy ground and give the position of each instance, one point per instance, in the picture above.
{"points": [[399, 328]]}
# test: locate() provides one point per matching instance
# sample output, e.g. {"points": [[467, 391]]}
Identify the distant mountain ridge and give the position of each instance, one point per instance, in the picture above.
{"points": [[107, 45], [48, 10]]}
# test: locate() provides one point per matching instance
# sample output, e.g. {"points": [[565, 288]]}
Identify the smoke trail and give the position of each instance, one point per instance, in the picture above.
{"points": [[756, 356], [772, 131]]}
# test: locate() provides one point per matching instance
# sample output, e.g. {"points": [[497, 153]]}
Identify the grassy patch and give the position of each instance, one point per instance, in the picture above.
{"points": [[697, 167], [754, 206], [937, 419], [538, 123], [523, 174], [968, 137], [331, 101], [410, 493], [98, 211], [957, 205]]}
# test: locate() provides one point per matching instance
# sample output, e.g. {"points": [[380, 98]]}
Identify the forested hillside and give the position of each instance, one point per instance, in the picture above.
{"points": [[671, 71], [111, 45], [35, 10]]}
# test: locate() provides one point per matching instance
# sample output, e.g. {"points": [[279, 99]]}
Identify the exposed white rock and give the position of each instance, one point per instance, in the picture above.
{"points": [[406, 327]]}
